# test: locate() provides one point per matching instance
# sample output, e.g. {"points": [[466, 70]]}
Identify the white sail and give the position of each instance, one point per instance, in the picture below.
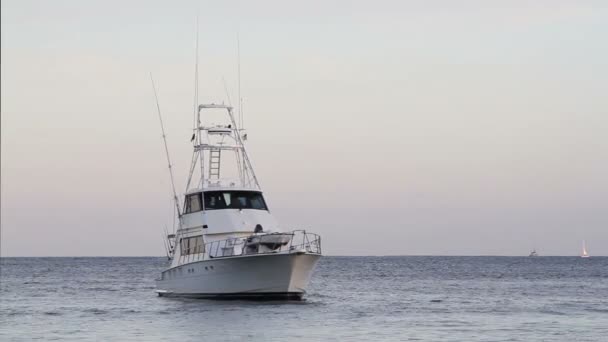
{"points": [[584, 254]]}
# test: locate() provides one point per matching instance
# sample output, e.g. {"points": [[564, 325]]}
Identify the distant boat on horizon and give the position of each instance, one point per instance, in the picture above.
{"points": [[533, 253], [584, 254]]}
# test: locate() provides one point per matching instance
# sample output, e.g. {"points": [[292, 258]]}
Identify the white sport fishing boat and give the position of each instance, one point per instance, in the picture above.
{"points": [[227, 243]]}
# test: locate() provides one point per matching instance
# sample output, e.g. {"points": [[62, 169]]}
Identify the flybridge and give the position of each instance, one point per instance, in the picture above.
{"points": [[219, 156]]}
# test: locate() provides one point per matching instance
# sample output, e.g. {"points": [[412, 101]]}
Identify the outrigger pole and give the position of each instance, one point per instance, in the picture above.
{"points": [[162, 127]]}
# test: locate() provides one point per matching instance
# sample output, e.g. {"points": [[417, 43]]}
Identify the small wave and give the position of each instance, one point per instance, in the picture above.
{"points": [[598, 310], [52, 313], [319, 295], [12, 313], [96, 311], [552, 312], [131, 311], [101, 289], [360, 314], [453, 323], [37, 295]]}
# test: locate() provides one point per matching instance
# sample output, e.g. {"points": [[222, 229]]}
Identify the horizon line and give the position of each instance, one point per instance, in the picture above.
{"points": [[343, 256]]}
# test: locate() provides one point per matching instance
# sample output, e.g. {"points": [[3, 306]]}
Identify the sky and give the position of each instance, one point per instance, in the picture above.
{"points": [[387, 127]]}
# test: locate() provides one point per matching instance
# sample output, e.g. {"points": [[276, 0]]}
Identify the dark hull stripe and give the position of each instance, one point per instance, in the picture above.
{"points": [[242, 295]]}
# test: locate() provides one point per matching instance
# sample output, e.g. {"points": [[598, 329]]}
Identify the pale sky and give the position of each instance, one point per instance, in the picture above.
{"points": [[388, 127]]}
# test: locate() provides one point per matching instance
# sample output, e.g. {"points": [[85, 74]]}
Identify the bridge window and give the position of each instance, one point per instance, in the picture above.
{"points": [[234, 200], [193, 203]]}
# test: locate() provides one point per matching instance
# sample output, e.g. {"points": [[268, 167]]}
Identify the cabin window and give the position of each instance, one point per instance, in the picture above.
{"points": [[257, 202], [192, 245], [215, 200], [226, 196], [193, 203], [234, 200]]}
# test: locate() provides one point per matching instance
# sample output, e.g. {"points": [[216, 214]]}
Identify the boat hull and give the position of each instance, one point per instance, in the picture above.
{"points": [[264, 276]]}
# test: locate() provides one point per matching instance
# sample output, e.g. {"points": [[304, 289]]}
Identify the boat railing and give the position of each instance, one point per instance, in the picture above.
{"points": [[299, 241]]}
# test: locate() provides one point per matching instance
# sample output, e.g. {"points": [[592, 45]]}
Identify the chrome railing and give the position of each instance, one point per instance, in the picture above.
{"points": [[299, 241]]}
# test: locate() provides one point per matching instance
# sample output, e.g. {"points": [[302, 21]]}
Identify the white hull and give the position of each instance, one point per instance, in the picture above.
{"points": [[284, 275]]}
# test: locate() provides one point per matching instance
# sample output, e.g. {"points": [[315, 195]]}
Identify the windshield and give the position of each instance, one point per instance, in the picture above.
{"points": [[234, 200]]}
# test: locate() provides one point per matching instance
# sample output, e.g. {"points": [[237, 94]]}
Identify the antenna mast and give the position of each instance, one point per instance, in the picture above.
{"points": [[195, 79], [197, 114], [238, 53], [162, 127]]}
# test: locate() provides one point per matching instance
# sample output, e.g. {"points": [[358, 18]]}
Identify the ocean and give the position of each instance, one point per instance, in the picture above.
{"points": [[409, 298]]}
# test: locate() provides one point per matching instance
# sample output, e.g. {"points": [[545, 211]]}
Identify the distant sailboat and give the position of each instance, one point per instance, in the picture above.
{"points": [[533, 253], [585, 254]]}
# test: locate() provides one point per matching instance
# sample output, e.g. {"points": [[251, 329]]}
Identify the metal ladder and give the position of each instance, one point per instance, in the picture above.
{"points": [[214, 163]]}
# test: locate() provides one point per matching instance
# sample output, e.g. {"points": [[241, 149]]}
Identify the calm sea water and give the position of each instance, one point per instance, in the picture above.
{"points": [[350, 299]]}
